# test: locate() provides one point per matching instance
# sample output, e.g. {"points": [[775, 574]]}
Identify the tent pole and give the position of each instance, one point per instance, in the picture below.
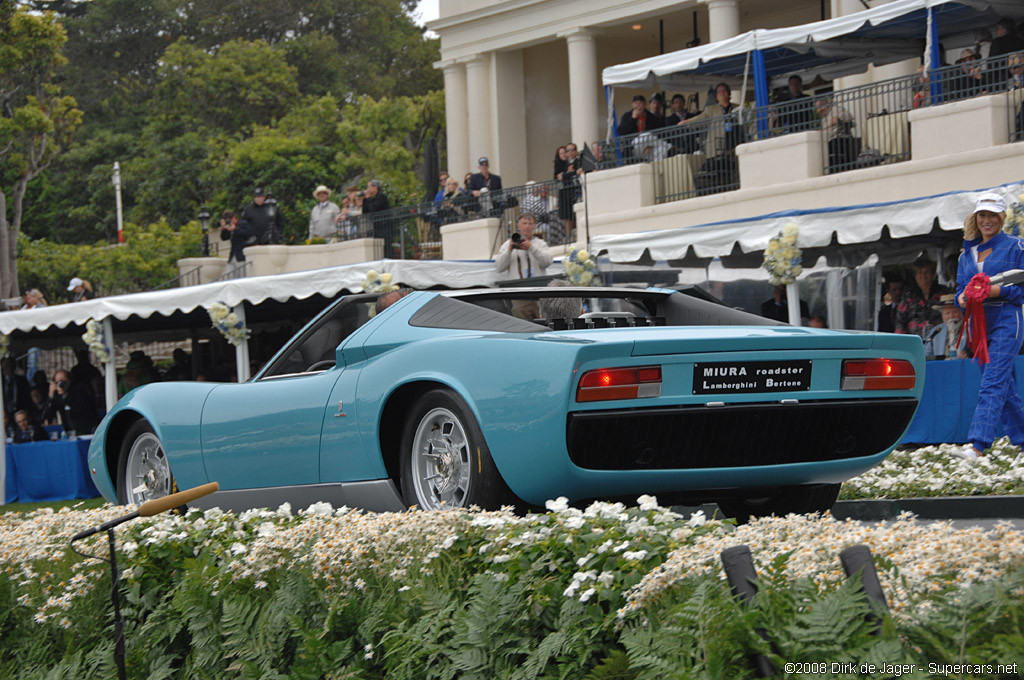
{"points": [[109, 368], [242, 349], [793, 302], [761, 93], [934, 57], [3, 458]]}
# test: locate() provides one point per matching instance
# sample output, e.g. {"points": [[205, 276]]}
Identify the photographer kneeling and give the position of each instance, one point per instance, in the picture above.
{"points": [[523, 257]]}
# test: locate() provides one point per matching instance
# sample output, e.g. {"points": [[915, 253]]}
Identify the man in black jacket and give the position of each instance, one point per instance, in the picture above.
{"points": [[375, 201], [73, 403], [264, 218]]}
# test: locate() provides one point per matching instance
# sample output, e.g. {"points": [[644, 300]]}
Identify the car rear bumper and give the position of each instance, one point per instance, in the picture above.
{"points": [[736, 435]]}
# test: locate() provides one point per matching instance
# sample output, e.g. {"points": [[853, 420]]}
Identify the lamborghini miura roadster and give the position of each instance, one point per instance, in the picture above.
{"points": [[519, 395]]}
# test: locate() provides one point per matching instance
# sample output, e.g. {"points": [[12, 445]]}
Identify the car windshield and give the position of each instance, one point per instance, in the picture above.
{"points": [[315, 348]]}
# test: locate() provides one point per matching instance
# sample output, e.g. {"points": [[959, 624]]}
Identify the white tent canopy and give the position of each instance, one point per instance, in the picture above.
{"points": [[254, 290], [848, 225], [830, 49]]}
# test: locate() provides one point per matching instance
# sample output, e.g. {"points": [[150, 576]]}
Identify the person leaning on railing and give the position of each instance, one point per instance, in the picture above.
{"points": [[719, 171], [837, 128]]}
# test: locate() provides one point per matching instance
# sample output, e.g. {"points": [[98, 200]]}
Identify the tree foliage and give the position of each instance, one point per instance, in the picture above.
{"points": [[201, 102], [36, 121], [145, 260]]}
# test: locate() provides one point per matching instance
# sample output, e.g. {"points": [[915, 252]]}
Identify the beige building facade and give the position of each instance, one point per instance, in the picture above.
{"points": [[523, 77]]}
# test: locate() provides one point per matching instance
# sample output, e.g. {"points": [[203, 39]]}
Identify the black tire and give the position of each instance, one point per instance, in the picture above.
{"points": [[797, 499], [445, 462], [142, 452]]}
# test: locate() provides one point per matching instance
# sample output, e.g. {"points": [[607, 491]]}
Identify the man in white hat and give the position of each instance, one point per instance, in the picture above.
{"points": [[324, 215]]}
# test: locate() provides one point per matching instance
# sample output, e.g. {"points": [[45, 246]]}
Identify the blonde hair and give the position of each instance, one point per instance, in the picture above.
{"points": [[971, 231]]}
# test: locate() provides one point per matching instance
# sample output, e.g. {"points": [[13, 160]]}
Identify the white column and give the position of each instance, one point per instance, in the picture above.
{"points": [[584, 91], [456, 118], [109, 368], [478, 105], [723, 19], [242, 349], [508, 118]]}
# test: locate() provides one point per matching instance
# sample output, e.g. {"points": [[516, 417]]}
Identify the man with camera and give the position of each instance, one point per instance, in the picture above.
{"points": [[522, 257], [73, 403]]}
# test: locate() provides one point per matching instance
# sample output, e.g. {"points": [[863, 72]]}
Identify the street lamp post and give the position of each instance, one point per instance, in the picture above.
{"points": [[204, 221], [117, 194], [271, 210]]}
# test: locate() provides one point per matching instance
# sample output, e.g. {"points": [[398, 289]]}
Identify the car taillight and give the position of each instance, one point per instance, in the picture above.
{"points": [[878, 374], [604, 384]]}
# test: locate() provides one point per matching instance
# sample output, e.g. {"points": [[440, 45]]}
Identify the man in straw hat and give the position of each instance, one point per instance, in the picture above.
{"points": [[323, 216], [995, 321]]}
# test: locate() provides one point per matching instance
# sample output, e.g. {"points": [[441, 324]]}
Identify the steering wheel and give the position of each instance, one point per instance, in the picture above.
{"points": [[321, 365]]}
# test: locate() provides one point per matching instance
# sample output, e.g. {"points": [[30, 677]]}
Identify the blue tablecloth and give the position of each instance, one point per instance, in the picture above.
{"points": [[947, 405], [48, 471]]}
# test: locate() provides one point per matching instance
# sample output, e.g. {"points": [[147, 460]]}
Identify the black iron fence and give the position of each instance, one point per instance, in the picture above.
{"points": [[861, 127], [694, 158], [414, 231]]}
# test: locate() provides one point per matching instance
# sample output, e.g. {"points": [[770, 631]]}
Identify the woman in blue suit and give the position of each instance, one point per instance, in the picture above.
{"points": [[989, 251]]}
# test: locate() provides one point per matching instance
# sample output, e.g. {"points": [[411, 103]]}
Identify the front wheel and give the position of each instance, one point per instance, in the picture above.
{"points": [[445, 461], [797, 499], [144, 472]]}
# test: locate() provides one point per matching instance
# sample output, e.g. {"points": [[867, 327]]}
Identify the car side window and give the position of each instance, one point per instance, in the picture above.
{"points": [[315, 349]]}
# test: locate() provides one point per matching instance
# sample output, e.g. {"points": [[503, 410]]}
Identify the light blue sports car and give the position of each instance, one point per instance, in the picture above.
{"points": [[519, 395]]}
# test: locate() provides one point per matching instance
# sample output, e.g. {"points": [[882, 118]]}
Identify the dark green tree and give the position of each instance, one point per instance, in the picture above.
{"points": [[36, 120]]}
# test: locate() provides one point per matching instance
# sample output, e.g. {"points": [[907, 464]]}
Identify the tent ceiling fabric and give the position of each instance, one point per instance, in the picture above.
{"points": [[831, 48], [254, 290], [850, 225]]}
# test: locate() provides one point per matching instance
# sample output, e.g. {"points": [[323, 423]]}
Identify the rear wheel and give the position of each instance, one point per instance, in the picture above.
{"points": [[143, 471], [797, 499], [445, 461]]}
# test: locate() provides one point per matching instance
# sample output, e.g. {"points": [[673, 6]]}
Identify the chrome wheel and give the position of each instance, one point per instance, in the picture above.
{"points": [[147, 474], [441, 463]]}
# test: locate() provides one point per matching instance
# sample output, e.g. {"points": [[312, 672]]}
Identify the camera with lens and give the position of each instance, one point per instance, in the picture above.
{"points": [[517, 238], [62, 384]]}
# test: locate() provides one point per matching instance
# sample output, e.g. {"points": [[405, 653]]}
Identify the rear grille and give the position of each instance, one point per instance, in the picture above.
{"points": [[740, 435]]}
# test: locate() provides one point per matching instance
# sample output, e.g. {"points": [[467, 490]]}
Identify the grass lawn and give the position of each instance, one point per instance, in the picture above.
{"points": [[77, 504]]}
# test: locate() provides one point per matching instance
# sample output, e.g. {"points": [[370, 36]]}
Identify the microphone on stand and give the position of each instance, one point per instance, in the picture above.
{"points": [[147, 509], [153, 507]]}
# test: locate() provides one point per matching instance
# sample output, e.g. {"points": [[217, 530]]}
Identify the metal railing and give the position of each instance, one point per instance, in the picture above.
{"points": [[691, 159], [414, 231], [862, 127]]}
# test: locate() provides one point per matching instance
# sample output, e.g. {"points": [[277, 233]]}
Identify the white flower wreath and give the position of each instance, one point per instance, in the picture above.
{"points": [[376, 282], [93, 337], [227, 322], [1014, 223], [581, 269], [782, 258]]}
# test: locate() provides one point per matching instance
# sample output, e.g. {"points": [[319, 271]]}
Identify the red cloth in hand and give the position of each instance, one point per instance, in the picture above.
{"points": [[976, 293]]}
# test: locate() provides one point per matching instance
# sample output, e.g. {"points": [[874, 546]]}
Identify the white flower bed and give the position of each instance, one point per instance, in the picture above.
{"points": [[600, 551], [935, 471]]}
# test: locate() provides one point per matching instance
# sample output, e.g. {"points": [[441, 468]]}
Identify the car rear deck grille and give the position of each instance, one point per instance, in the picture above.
{"points": [[740, 435]]}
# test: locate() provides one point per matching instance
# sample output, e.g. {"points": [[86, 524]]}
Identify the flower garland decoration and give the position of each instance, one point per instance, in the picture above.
{"points": [[227, 322], [782, 258], [5, 342], [581, 268], [93, 337], [376, 282], [1014, 223]]}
